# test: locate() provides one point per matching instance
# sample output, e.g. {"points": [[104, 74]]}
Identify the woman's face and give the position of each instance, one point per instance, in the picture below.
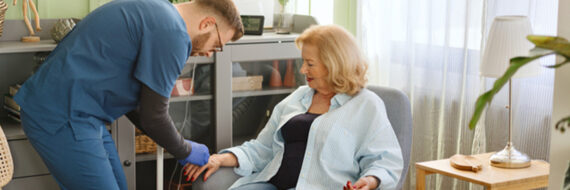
{"points": [[314, 70]]}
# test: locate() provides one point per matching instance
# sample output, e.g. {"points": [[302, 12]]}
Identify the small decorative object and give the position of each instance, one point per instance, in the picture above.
{"points": [[3, 8], [252, 24], [282, 20], [289, 80], [61, 28], [464, 162], [506, 40], [31, 37], [247, 83], [275, 80], [182, 87]]}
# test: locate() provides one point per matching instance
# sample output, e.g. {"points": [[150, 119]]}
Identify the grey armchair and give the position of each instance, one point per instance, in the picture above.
{"points": [[399, 114]]}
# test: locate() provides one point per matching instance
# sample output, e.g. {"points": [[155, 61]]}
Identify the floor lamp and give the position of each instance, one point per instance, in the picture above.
{"points": [[507, 39]]}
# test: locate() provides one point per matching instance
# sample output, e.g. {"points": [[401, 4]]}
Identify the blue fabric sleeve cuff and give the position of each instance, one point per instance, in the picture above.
{"points": [[245, 167]]}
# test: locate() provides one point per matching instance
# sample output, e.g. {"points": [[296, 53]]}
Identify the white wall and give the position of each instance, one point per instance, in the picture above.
{"points": [[560, 143]]}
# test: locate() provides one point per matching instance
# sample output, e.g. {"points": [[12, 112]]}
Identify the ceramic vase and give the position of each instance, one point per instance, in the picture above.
{"points": [[289, 80], [275, 80]]}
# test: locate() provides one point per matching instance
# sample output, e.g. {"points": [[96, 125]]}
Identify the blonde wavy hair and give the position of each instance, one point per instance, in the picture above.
{"points": [[340, 54]]}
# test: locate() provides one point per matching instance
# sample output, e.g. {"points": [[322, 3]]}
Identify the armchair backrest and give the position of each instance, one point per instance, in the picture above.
{"points": [[400, 115]]}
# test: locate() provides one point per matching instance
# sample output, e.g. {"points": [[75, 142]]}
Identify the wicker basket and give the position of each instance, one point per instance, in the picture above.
{"points": [[3, 8], [6, 163], [143, 143]]}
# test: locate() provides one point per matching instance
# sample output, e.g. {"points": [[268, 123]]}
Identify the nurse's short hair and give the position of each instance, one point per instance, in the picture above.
{"points": [[228, 11], [340, 54]]}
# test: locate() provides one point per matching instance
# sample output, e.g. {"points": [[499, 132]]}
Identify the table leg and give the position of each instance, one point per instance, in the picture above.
{"points": [[420, 179]]}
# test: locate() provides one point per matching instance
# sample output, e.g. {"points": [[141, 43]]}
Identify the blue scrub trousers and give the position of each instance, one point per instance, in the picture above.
{"points": [[78, 163]]}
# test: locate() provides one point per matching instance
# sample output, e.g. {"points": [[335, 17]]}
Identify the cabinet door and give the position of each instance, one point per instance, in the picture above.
{"points": [[190, 107], [259, 77], [193, 114]]}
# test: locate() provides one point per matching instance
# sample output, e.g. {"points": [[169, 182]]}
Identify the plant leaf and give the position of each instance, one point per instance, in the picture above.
{"points": [[558, 65], [558, 44], [539, 51], [560, 124], [486, 98], [283, 2]]}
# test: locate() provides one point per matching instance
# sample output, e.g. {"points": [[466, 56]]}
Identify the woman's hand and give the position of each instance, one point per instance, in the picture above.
{"points": [[364, 183], [214, 163]]}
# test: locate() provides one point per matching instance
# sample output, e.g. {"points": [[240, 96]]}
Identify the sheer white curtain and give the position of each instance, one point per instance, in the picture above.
{"points": [[431, 50]]}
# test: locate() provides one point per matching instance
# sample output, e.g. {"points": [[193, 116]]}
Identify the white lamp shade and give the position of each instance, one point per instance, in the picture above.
{"points": [[507, 39]]}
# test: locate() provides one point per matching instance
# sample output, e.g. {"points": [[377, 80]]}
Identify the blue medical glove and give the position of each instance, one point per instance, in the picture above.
{"points": [[199, 155]]}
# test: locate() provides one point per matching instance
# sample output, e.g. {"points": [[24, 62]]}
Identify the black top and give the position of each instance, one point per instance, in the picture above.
{"points": [[295, 133]]}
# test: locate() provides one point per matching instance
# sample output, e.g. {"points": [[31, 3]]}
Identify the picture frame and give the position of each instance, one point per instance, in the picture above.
{"points": [[253, 24], [257, 7]]}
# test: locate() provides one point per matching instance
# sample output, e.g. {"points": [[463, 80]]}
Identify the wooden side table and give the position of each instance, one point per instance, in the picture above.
{"points": [[493, 178]]}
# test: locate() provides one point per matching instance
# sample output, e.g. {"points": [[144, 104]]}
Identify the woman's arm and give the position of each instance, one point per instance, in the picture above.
{"points": [[253, 155], [214, 163], [364, 183], [380, 155]]}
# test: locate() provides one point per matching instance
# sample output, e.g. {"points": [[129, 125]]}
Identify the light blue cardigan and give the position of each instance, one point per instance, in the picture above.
{"points": [[352, 140]]}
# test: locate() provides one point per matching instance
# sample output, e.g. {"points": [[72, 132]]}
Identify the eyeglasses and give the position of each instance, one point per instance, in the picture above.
{"points": [[218, 49]]}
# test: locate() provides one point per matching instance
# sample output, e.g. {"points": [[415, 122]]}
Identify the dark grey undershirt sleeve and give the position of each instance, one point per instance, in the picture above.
{"points": [[152, 118]]}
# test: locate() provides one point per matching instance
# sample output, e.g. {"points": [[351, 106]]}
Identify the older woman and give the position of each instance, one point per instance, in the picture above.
{"points": [[324, 135]]}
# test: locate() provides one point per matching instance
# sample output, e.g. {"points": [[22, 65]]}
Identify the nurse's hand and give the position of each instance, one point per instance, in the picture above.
{"points": [[199, 155]]}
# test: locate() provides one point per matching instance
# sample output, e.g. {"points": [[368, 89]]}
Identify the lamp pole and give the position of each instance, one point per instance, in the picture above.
{"points": [[510, 157]]}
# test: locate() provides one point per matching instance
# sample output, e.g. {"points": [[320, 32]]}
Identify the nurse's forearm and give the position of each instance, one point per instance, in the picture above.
{"points": [[153, 119]]}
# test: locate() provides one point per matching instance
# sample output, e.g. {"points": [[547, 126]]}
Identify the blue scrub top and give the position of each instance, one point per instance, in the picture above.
{"points": [[94, 75]]}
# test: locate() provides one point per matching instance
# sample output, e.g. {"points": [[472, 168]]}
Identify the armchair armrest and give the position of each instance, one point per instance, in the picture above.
{"points": [[221, 179]]}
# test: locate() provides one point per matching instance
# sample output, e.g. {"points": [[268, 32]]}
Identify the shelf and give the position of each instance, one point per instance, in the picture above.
{"points": [[264, 92], [12, 129], [21, 47], [236, 94], [200, 60], [151, 157], [190, 98], [267, 37], [48, 45]]}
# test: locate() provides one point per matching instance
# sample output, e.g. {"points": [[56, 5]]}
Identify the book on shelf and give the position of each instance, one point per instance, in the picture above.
{"points": [[14, 89], [11, 110], [9, 101], [182, 87], [14, 117]]}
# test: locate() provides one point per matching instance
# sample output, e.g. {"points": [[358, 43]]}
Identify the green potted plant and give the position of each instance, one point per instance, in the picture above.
{"points": [[545, 45]]}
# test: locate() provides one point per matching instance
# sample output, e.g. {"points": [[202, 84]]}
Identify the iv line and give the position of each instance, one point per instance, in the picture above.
{"points": [[182, 127]]}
